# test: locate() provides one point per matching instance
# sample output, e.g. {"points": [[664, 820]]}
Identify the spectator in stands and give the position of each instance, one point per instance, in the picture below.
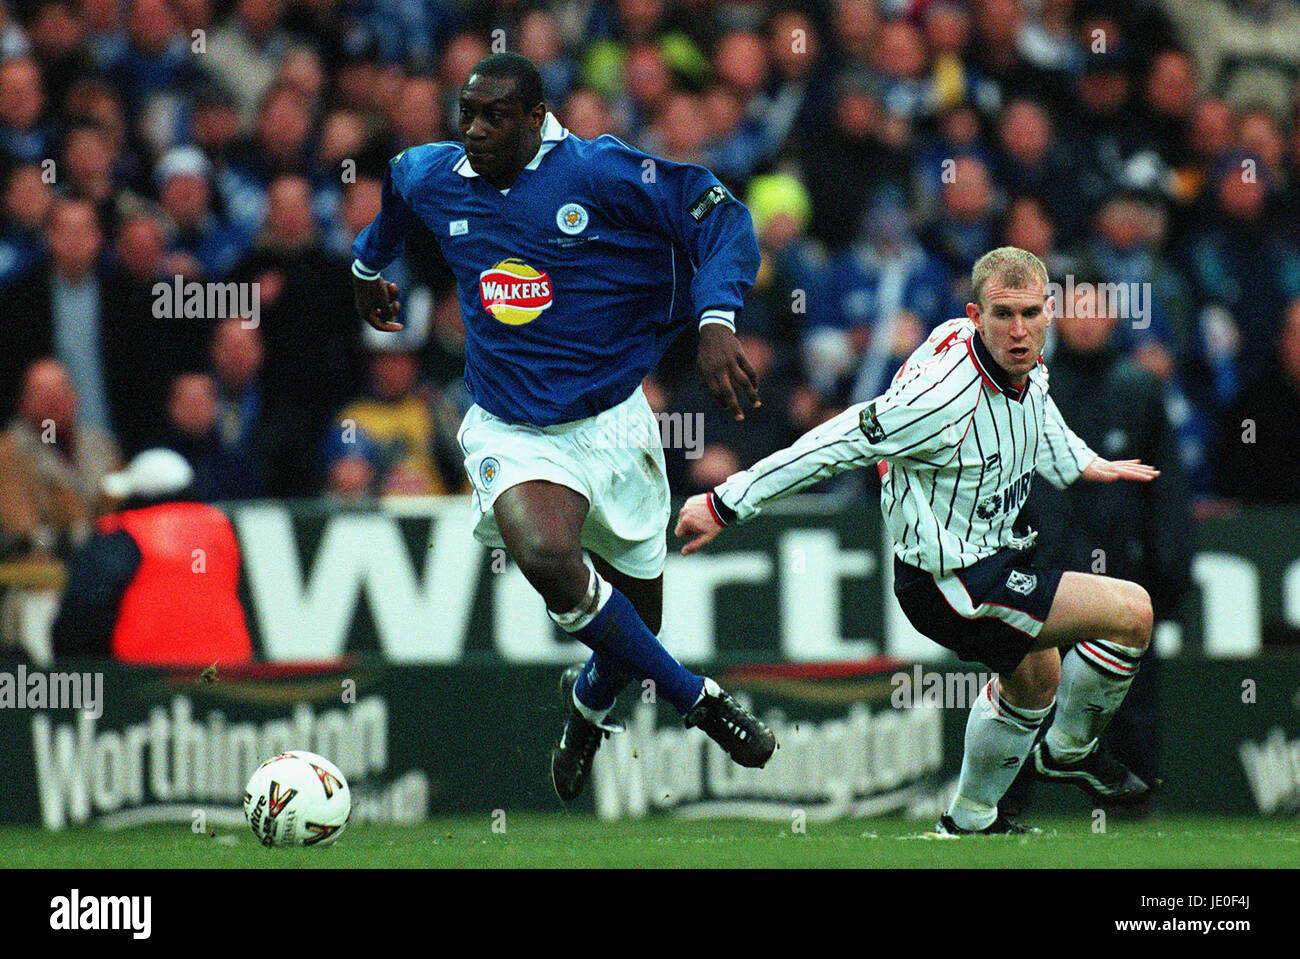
{"points": [[540, 41], [313, 353], [842, 167], [244, 52], [1126, 246], [144, 352], [899, 60], [183, 176], [281, 143], [1169, 96], [247, 433], [87, 167], [588, 114], [157, 582], [704, 445], [417, 115], [953, 83], [734, 144], [997, 52], [1030, 160], [406, 427], [25, 134], [966, 226], [51, 465], [221, 471], [1244, 269], [959, 134], [27, 201], [156, 61], [1104, 129], [855, 24], [880, 299], [800, 81], [59, 309], [1258, 458], [793, 264], [57, 34], [1027, 224]]}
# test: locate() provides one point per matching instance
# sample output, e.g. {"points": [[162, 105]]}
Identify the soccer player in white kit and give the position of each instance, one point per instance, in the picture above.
{"points": [[958, 437]]}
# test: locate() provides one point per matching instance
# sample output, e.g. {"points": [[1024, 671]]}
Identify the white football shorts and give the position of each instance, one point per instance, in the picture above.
{"points": [[615, 459]]}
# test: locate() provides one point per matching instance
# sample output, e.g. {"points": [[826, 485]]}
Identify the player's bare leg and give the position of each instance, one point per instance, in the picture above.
{"points": [[1104, 624]]}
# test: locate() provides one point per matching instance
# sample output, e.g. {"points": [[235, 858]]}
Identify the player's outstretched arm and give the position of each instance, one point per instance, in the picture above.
{"points": [[726, 370], [377, 302], [697, 524], [1107, 471]]}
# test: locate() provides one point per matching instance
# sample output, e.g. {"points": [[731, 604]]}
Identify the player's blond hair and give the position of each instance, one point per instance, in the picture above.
{"points": [[1013, 266]]}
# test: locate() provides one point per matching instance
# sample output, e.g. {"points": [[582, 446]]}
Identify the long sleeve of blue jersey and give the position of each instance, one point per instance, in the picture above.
{"points": [[380, 243], [687, 205]]}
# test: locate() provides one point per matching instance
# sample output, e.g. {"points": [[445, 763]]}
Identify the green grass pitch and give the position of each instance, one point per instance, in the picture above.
{"points": [[559, 840]]}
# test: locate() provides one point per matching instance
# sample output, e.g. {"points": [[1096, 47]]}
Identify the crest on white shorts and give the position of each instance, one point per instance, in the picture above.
{"points": [[1022, 583], [488, 470]]}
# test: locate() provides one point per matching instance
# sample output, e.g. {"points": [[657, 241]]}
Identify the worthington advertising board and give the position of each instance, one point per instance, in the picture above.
{"points": [[857, 739]]}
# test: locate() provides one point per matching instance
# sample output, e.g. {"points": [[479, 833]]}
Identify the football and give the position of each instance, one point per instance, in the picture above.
{"points": [[297, 799]]}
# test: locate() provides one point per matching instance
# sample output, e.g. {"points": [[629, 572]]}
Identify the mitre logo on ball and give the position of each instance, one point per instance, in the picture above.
{"points": [[514, 292]]}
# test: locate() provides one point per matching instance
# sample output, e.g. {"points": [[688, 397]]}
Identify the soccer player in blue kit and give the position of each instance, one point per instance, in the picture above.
{"points": [[577, 263]]}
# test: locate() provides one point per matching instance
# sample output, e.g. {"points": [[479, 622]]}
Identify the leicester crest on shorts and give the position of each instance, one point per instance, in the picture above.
{"points": [[487, 471], [1022, 583]]}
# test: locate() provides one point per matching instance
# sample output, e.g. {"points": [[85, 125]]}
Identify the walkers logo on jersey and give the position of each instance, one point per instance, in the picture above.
{"points": [[870, 424], [515, 293], [1005, 499], [571, 218], [1022, 583]]}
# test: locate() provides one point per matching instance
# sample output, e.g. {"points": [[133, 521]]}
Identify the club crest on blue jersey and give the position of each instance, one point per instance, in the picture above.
{"points": [[571, 218], [488, 470]]}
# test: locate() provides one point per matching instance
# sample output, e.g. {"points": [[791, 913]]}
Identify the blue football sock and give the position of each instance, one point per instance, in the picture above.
{"points": [[619, 630], [600, 682]]}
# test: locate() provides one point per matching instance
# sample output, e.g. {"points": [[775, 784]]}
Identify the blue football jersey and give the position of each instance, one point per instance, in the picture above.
{"points": [[573, 282]]}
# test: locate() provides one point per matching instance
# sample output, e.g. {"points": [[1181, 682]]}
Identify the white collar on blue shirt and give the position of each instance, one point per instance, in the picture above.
{"points": [[552, 133]]}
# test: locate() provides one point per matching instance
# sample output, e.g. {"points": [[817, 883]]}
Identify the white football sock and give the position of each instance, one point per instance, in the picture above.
{"points": [[998, 737], [1095, 677]]}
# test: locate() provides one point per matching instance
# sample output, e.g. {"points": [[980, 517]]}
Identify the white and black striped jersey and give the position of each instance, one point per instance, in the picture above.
{"points": [[956, 444]]}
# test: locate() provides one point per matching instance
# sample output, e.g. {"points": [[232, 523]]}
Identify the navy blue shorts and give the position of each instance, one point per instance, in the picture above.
{"points": [[989, 612]]}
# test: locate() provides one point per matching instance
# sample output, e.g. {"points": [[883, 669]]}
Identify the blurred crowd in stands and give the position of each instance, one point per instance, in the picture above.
{"points": [[881, 147]]}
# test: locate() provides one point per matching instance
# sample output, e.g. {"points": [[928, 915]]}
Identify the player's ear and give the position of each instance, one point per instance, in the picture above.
{"points": [[973, 312], [1049, 309]]}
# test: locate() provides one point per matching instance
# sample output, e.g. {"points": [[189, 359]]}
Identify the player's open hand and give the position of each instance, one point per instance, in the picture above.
{"points": [[377, 303], [725, 369], [1107, 471], [696, 522]]}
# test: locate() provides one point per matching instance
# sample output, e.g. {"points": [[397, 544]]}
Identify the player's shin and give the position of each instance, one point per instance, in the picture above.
{"points": [[608, 623], [998, 738], [1095, 677]]}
